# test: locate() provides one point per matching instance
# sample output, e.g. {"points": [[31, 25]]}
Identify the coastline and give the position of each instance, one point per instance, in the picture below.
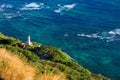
{"points": [[52, 57]]}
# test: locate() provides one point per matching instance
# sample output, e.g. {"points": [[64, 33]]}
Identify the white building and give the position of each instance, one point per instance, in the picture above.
{"points": [[28, 40]]}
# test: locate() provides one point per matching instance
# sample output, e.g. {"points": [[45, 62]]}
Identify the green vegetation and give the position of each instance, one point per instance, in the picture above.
{"points": [[48, 59]]}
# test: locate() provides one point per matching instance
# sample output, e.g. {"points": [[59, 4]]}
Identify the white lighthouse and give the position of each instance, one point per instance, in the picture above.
{"points": [[28, 41]]}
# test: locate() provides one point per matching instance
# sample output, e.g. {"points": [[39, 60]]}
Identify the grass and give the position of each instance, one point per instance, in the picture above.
{"points": [[13, 68], [52, 76], [38, 63]]}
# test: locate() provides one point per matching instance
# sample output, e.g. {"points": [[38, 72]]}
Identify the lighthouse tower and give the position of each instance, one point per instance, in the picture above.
{"points": [[28, 41]]}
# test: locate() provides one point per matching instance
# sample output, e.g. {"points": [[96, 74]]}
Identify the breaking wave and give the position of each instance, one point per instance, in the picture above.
{"points": [[64, 7], [32, 6], [11, 15], [3, 6], [115, 32], [107, 36], [6, 6]]}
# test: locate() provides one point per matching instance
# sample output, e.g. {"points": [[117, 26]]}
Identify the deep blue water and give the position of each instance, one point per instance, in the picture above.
{"points": [[88, 30]]}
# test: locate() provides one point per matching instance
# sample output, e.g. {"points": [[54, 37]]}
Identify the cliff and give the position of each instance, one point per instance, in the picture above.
{"points": [[43, 62]]}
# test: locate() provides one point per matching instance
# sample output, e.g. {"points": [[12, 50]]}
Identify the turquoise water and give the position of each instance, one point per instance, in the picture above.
{"points": [[88, 30]]}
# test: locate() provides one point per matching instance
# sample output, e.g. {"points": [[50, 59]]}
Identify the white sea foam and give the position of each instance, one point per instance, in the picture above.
{"points": [[58, 4], [9, 6], [115, 32], [41, 4], [58, 10], [32, 6], [111, 32], [11, 15], [70, 6], [64, 7], [108, 36], [8, 15], [3, 6], [66, 34], [26, 8], [6, 6]]}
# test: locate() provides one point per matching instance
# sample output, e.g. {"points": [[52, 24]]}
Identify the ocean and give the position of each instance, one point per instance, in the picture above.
{"points": [[88, 30]]}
